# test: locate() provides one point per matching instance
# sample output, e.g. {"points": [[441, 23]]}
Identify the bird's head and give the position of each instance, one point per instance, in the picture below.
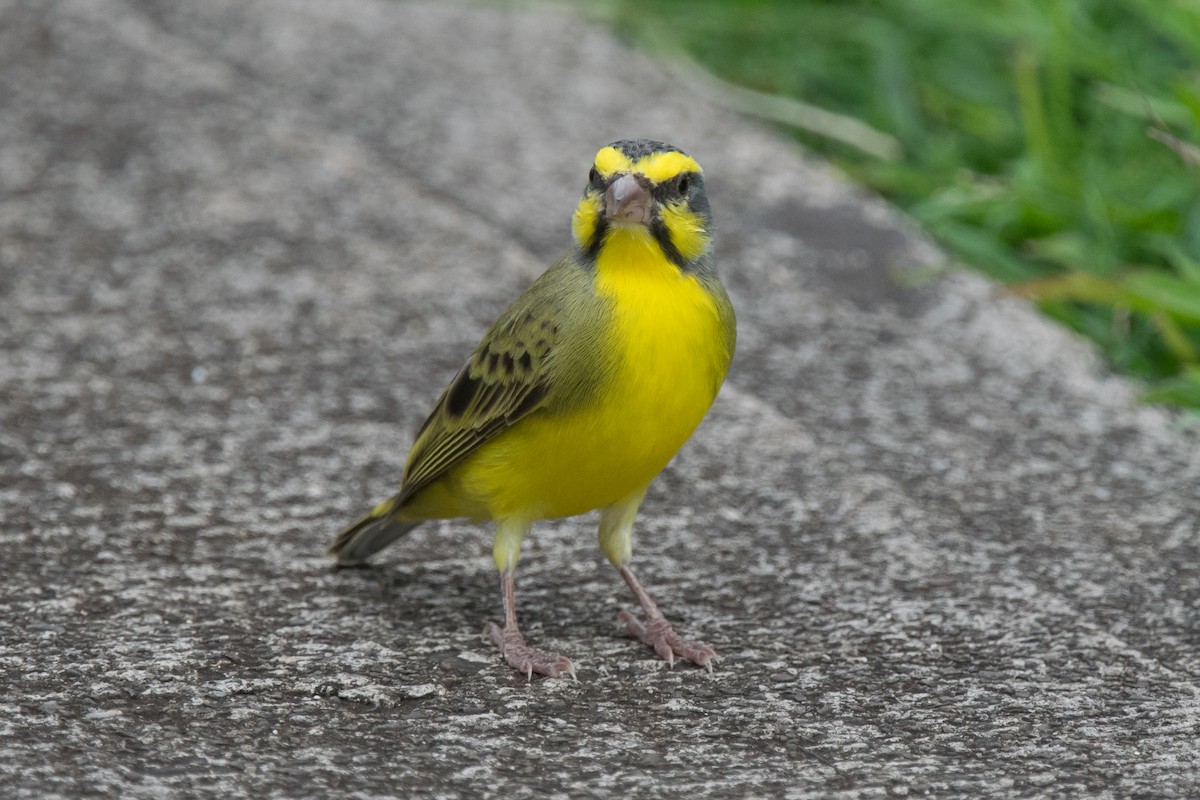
{"points": [[649, 193]]}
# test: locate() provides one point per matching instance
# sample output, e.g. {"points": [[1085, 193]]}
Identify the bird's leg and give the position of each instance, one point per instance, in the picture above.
{"points": [[511, 643], [657, 632], [616, 541]]}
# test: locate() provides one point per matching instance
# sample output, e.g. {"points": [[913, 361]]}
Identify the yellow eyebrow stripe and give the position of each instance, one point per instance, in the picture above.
{"points": [[610, 160], [658, 167]]}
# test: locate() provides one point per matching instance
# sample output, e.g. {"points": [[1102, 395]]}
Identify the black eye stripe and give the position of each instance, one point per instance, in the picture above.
{"points": [[679, 186]]}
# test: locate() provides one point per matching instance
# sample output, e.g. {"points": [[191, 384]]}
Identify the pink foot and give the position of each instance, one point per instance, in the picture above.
{"points": [[659, 634], [524, 658]]}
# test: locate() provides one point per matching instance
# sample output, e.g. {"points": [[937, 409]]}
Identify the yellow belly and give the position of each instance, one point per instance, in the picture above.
{"points": [[671, 356]]}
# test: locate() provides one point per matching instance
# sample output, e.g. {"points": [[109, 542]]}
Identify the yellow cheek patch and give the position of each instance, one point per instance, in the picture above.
{"points": [[587, 215], [660, 167], [686, 229]]}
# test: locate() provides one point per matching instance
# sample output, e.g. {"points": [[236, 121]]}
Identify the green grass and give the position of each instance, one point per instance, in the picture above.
{"points": [[1048, 143]]}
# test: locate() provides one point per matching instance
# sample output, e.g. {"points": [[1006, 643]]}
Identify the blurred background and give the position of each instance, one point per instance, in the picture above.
{"points": [[1052, 144]]}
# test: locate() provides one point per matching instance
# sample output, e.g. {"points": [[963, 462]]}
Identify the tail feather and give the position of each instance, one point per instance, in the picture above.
{"points": [[368, 536]]}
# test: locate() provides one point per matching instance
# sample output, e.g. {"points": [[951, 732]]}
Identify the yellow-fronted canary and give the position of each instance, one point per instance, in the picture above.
{"points": [[582, 390]]}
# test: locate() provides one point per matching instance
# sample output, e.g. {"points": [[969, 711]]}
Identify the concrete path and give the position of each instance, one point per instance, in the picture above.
{"points": [[242, 247]]}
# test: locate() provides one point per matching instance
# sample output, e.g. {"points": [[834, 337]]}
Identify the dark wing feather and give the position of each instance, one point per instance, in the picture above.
{"points": [[505, 379]]}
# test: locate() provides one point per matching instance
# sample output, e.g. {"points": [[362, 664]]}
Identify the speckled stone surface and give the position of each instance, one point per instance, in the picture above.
{"points": [[242, 247]]}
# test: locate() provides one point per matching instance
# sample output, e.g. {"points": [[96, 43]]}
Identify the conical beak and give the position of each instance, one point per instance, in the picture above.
{"points": [[628, 200]]}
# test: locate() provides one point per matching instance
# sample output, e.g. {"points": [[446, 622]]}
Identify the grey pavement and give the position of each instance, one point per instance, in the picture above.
{"points": [[242, 247]]}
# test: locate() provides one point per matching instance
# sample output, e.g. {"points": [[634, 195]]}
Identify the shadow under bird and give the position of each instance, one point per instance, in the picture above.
{"points": [[582, 390]]}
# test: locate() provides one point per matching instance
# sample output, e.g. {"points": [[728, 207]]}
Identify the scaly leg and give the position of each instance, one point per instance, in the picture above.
{"points": [[658, 633], [616, 541], [519, 655]]}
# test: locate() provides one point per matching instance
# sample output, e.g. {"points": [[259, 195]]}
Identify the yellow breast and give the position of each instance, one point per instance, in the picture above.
{"points": [[670, 355]]}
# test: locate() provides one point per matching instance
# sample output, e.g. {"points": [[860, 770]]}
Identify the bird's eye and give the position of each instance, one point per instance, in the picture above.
{"points": [[594, 177], [684, 184]]}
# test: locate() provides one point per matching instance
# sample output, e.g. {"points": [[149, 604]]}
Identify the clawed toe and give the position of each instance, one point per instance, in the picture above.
{"points": [[526, 659], [659, 634]]}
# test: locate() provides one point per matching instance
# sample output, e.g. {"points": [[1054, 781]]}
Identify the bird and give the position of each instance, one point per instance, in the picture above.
{"points": [[581, 392]]}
